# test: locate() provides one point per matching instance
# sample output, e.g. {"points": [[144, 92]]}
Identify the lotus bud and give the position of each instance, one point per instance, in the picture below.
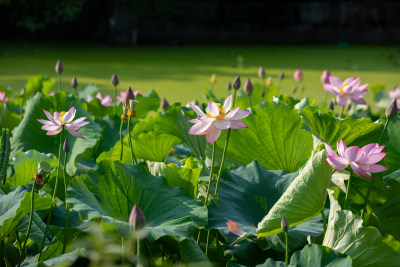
{"points": [[128, 96], [66, 146], [294, 90], [248, 87], [229, 86], [236, 83], [44, 168], [59, 67], [74, 82], [213, 78], [261, 72], [268, 82], [392, 110], [114, 80], [39, 179], [284, 225], [263, 93], [137, 219], [164, 104], [235, 228], [281, 75], [298, 75], [331, 105], [325, 76]]}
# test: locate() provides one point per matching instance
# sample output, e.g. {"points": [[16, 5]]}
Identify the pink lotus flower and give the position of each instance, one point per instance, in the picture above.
{"points": [[63, 120], [298, 75], [395, 94], [217, 118], [122, 95], [3, 97], [325, 76], [361, 160], [349, 89], [51, 93], [106, 101]]}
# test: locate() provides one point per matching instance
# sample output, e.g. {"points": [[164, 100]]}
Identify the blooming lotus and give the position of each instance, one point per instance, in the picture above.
{"points": [[106, 101], [361, 160], [349, 89], [3, 97], [62, 120], [217, 118]]}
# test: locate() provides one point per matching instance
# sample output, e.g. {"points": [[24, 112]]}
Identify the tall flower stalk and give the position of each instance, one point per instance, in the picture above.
{"points": [[59, 70], [285, 228], [130, 104], [211, 174], [66, 148], [115, 82]]}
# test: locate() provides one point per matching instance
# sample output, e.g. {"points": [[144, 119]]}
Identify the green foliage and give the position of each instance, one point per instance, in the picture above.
{"points": [[5, 150], [242, 100], [38, 83]]}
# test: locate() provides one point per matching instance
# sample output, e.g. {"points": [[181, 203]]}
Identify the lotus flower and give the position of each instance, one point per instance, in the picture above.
{"points": [[235, 228], [106, 101], [349, 89], [217, 118], [395, 94], [63, 120], [362, 160], [298, 75], [3, 97]]}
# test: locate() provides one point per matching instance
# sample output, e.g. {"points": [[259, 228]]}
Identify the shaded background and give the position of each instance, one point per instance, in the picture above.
{"points": [[207, 22]]}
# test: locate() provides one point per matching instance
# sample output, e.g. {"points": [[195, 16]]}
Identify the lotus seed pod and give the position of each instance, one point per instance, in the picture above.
{"points": [[391, 110], [236, 83], [74, 82], [164, 104], [248, 87], [284, 224], [128, 96], [114, 80], [59, 67], [229, 86], [39, 179], [281, 76], [325, 76], [44, 168], [66, 146], [331, 105], [137, 219], [298, 75], [261, 72]]}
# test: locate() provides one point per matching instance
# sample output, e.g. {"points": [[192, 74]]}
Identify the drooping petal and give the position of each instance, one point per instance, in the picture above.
{"points": [[80, 122], [48, 115], [237, 124], [341, 147], [360, 100], [335, 81], [235, 228], [354, 153], [75, 133], [212, 134], [54, 132], [46, 122], [228, 103], [337, 162], [342, 100], [212, 109], [330, 88], [360, 172], [377, 168], [200, 127], [221, 124], [70, 126], [51, 127], [197, 110], [330, 151]]}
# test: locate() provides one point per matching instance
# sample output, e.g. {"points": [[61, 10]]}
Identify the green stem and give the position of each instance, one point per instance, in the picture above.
{"points": [[383, 131], [323, 221], [121, 140], [198, 236], [115, 100], [134, 161], [208, 239], [249, 101], [287, 247], [341, 112], [366, 199], [30, 219], [66, 204], [225, 149], [211, 174], [59, 82], [346, 200], [54, 197], [19, 247], [122, 251], [326, 97], [138, 252]]}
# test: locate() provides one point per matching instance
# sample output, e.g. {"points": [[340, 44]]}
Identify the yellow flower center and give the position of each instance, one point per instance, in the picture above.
{"points": [[62, 113], [342, 87], [221, 114]]}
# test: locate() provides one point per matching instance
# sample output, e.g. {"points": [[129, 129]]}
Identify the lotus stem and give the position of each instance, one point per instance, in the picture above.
{"points": [[249, 101], [211, 174], [115, 100], [287, 247], [208, 239], [121, 140], [346, 201], [66, 204], [383, 131], [323, 220], [28, 231], [19, 247], [54, 197], [134, 161], [225, 149], [138, 252], [122, 251], [198, 236], [59, 82], [341, 112], [366, 199]]}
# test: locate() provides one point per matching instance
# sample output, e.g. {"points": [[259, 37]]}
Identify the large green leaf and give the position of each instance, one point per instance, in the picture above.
{"points": [[15, 205], [62, 260], [391, 160], [26, 165], [186, 176], [304, 198], [192, 254], [313, 255], [175, 121], [110, 190], [365, 245], [8, 118], [274, 138], [38, 83], [37, 229], [28, 134], [56, 245], [331, 129], [147, 102]]}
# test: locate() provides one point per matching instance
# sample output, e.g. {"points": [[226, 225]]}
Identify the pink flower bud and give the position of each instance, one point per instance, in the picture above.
{"points": [[284, 224], [59, 67], [248, 87], [325, 76], [74, 82], [236, 83], [392, 110], [261, 72], [298, 75], [114, 80], [129, 95], [137, 219], [164, 104]]}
